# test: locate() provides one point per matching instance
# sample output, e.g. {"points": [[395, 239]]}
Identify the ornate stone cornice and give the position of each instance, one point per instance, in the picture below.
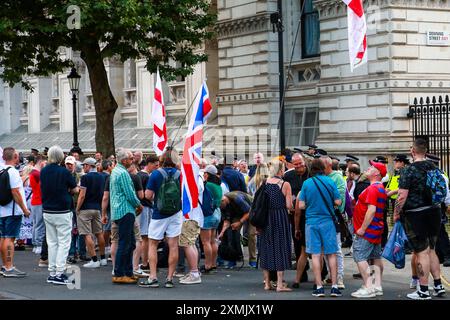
{"points": [[248, 25], [333, 8]]}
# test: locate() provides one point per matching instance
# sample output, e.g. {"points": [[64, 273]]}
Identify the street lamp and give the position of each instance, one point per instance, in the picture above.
{"points": [[74, 84]]}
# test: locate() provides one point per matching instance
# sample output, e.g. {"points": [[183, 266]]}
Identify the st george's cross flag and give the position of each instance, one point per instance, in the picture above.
{"points": [[357, 33], [159, 119], [192, 152]]}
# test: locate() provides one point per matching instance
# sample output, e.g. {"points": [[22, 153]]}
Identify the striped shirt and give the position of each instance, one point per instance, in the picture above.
{"points": [[375, 195], [123, 198]]}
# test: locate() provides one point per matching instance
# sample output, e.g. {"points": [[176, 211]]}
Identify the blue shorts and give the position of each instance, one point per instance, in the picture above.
{"points": [[321, 238], [364, 250], [10, 226], [212, 221]]}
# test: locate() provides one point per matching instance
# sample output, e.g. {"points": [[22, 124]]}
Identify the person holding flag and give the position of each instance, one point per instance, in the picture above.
{"points": [[163, 188], [192, 184]]}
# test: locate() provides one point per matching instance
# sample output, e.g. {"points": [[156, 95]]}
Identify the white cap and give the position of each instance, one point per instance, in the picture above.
{"points": [[70, 159]]}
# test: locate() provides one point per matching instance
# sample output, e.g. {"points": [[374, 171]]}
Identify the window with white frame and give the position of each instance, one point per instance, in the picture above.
{"points": [[302, 125]]}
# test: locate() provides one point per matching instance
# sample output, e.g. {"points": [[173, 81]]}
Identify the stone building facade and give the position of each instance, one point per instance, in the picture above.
{"points": [[363, 113]]}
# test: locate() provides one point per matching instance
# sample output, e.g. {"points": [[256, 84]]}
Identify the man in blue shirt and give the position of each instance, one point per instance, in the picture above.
{"points": [[232, 178], [57, 187], [161, 225], [89, 210]]}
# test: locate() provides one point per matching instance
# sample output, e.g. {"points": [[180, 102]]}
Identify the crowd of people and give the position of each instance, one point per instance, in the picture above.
{"points": [[127, 210]]}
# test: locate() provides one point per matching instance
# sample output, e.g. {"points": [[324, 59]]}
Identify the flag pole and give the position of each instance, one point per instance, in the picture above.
{"points": [[184, 119]]}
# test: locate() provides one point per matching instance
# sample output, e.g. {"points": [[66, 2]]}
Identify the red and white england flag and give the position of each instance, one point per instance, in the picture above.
{"points": [[159, 119], [357, 33], [192, 152]]}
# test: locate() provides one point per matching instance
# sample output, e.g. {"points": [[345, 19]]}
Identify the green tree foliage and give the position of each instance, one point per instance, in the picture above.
{"points": [[160, 31]]}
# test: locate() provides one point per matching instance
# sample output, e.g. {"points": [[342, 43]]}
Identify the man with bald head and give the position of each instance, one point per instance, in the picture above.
{"points": [[296, 177]]}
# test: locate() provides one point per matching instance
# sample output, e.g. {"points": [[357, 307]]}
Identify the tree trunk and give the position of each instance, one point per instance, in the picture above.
{"points": [[105, 104]]}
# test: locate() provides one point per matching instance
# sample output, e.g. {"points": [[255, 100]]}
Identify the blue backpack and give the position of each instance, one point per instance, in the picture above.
{"points": [[436, 186], [207, 205]]}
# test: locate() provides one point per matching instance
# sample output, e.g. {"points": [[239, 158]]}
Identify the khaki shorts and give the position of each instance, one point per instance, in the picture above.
{"points": [[189, 233], [88, 222], [115, 232]]}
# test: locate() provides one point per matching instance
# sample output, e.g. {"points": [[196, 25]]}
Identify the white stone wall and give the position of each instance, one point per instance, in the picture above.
{"points": [[365, 112]]}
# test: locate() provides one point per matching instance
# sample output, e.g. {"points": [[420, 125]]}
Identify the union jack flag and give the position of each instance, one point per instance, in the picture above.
{"points": [[192, 151]]}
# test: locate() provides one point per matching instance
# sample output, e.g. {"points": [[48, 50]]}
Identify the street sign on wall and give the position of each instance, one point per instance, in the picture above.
{"points": [[438, 38]]}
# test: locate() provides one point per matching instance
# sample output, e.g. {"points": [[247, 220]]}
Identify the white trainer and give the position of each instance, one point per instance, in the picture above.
{"points": [[140, 273], [190, 279], [364, 292], [38, 250], [103, 262], [91, 264], [378, 291], [419, 295]]}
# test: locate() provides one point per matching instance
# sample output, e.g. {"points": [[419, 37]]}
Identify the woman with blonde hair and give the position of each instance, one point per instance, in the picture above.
{"points": [[275, 238], [261, 175]]}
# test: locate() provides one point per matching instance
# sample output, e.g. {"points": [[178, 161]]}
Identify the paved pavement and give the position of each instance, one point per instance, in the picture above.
{"points": [[242, 285]]}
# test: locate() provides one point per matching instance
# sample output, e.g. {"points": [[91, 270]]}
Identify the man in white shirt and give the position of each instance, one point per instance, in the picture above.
{"points": [[11, 214]]}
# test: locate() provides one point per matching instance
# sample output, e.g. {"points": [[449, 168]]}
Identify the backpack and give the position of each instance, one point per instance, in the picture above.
{"points": [[259, 212], [5, 188], [436, 187], [168, 201], [230, 248], [207, 205]]}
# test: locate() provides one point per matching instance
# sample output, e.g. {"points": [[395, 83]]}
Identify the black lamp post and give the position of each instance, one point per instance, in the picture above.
{"points": [[276, 19], [74, 84]]}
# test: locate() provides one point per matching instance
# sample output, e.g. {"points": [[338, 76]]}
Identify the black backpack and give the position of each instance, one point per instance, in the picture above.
{"points": [[5, 188], [259, 212], [230, 248]]}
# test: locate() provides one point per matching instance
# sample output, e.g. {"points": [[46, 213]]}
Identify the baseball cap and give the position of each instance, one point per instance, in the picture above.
{"points": [[380, 167], [70, 159], [211, 169], [90, 161]]}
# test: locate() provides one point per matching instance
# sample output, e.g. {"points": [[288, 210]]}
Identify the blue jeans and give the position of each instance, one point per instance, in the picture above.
{"points": [[127, 243]]}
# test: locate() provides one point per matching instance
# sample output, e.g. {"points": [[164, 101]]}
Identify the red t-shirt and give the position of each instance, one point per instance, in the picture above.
{"points": [[375, 195], [35, 184]]}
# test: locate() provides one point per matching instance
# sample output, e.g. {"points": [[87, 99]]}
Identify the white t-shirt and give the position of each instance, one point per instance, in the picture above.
{"points": [[15, 182]]}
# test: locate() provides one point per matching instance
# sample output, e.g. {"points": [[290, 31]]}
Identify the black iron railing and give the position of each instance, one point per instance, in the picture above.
{"points": [[431, 121]]}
